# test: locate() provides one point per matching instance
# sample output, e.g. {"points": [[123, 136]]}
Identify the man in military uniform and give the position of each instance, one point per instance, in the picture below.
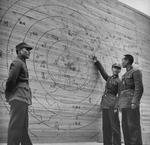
{"points": [[18, 95], [110, 118], [129, 102]]}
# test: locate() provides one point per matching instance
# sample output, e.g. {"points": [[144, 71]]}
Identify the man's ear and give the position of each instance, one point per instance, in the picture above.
{"points": [[127, 61], [19, 51]]}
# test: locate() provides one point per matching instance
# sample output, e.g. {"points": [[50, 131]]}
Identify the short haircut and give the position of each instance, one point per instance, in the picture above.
{"points": [[129, 58], [17, 52]]}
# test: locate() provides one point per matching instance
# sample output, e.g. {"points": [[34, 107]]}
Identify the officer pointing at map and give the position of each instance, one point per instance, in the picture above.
{"points": [[110, 118]]}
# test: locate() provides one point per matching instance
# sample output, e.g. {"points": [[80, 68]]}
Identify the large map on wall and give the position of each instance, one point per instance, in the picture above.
{"points": [[66, 86]]}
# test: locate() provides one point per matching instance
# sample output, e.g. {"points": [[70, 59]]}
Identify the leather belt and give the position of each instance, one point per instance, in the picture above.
{"points": [[127, 90]]}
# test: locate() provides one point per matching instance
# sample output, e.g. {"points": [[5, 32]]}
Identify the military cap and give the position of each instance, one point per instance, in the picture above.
{"points": [[116, 65], [23, 45]]}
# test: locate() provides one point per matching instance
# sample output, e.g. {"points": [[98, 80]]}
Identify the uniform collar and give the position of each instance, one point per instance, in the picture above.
{"points": [[114, 76], [19, 57], [129, 68]]}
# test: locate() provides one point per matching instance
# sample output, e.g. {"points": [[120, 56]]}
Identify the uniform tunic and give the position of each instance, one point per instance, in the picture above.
{"points": [[131, 93], [17, 85], [18, 94]]}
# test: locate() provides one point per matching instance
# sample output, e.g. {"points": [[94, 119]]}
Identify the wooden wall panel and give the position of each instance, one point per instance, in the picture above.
{"points": [[65, 85]]}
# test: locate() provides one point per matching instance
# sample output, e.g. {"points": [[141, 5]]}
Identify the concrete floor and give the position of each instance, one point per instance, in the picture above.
{"points": [[85, 143]]}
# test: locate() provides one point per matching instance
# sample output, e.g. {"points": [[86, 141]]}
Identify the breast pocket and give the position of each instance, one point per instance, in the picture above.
{"points": [[129, 79], [24, 72], [114, 86], [114, 83]]}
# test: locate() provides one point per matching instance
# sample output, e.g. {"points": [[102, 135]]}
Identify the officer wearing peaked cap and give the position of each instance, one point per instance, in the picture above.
{"points": [[23, 45], [18, 95], [117, 65], [110, 118]]}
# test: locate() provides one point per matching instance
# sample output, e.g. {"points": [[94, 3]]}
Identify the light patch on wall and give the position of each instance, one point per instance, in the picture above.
{"points": [[140, 5]]}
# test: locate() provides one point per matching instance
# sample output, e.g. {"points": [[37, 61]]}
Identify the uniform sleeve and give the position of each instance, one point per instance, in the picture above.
{"points": [[137, 76], [101, 70], [14, 70]]}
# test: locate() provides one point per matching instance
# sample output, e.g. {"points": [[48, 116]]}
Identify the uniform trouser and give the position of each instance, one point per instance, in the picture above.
{"points": [[111, 127], [131, 126], [18, 124]]}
